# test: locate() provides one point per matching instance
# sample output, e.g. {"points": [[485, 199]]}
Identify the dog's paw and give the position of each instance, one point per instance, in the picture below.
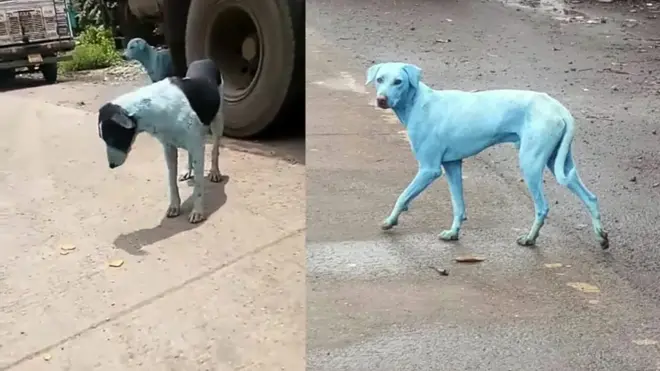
{"points": [[449, 235], [195, 217], [187, 175], [388, 224], [603, 239], [173, 211], [524, 240], [215, 176]]}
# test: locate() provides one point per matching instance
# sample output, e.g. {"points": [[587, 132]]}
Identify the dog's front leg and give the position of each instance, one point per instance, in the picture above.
{"points": [[422, 180], [175, 200], [197, 155], [454, 172]]}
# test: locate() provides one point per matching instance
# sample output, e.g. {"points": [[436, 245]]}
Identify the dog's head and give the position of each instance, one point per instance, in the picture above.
{"points": [[393, 81], [135, 49], [118, 131]]}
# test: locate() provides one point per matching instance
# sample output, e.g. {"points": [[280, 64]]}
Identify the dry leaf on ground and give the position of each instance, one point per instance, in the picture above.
{"points": [[584, 287], [116, 263], [469, 259], [67, 247]]}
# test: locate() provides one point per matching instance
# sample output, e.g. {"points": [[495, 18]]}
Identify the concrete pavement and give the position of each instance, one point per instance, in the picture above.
{"points": [[374, 300], [226, 294]]}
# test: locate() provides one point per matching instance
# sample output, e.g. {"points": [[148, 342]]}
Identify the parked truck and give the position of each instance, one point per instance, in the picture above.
{"points": [[33, 34], [258, 45]]}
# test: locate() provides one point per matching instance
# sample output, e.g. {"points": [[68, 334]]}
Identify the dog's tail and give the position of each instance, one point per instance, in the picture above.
{"points": [[562, 172]]}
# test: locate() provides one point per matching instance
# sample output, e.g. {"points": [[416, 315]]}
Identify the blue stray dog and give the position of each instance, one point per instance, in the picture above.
{"points": [[446, 126], [157, 63], [178, 112]]}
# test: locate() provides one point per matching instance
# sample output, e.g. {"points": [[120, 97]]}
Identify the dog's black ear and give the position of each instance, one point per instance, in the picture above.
{"points": [[116, 114], [414, 74]]}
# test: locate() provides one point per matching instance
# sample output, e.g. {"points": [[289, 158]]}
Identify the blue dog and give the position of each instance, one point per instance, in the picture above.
{"points": [[157, 63], [178, 112], [446, 126]]}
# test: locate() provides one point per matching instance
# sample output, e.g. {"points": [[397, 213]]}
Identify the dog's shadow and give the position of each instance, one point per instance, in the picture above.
{"points": [[214, 198]]}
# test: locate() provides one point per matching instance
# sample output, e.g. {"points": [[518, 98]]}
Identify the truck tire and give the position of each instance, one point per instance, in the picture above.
{"points": [[253, 42], [49, 71]]}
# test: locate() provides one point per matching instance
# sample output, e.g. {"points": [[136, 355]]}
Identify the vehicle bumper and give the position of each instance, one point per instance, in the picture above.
{"points": [[17, 55]]}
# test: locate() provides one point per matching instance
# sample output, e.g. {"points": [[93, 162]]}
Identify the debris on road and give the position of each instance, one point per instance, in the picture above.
{"points": [[584, 287], [469, 259], [553, 265], [67, 247], [645, 342], [116, 263], [440, 271], [47, 357]]}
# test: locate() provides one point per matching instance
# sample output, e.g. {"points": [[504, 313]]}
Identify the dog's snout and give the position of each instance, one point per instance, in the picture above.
{"points": [[112, 165], [124, 57], [381, 101]]}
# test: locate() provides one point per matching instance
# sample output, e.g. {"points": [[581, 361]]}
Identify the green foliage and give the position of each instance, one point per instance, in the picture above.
{"points": [[94, 13], [95, 48]]}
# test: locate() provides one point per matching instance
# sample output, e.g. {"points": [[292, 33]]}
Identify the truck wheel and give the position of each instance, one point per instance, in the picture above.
{"points": [[50, 72], [254, 46], [7, 76]]}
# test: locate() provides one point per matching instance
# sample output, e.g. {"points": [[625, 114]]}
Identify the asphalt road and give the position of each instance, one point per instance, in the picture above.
{"points": [[374, 303]]}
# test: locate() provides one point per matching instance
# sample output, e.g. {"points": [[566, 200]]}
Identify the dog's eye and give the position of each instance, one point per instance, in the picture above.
{"points": [[397, 81], [379, 80]]}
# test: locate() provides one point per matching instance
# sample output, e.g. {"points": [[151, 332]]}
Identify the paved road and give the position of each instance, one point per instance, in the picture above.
{"points": [[227, 294], [374, 303]]}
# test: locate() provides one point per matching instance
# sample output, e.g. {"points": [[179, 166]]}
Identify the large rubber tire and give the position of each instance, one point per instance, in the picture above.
{"points": [[217, 29], [49, 71]]}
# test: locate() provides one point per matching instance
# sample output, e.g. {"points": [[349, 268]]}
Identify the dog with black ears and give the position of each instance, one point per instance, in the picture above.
{"points": [[179, 113]]}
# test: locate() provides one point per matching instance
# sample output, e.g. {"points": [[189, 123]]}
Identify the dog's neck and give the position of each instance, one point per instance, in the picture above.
{"points": [[408, 103]]}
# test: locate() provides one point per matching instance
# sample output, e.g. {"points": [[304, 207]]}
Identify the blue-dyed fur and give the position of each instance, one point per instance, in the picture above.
{"points": [[446, 126], [163, 110], [157, 63]]}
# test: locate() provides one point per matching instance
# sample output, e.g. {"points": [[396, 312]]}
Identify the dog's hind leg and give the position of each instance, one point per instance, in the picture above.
{"points": [[197, 155], [175, 200], [188, 174], [589, 200], [216, 130], [532, 165], [454, 172], [422, 180]]}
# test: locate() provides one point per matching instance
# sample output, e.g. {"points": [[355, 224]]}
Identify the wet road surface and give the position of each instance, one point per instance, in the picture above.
{"points": [[374, 300]]}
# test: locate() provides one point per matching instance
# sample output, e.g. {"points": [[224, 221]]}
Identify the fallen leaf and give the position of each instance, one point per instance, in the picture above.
{"points": [[47, 357], [67, 247], [469, 259], [64, 252], [116, 263], [553, 265], [645, 342], [584, 287]]}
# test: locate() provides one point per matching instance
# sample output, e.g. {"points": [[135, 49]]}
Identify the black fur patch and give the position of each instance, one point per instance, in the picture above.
{"points": [[204, 68], [117, 134], [203, 96]]}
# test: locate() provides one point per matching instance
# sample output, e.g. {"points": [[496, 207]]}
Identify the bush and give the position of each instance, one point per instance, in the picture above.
{"points": [[95, 48]]}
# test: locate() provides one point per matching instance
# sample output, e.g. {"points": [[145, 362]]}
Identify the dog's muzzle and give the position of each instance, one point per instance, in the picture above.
{"points": [[124, 57], [113, 165], [381, 102]]}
